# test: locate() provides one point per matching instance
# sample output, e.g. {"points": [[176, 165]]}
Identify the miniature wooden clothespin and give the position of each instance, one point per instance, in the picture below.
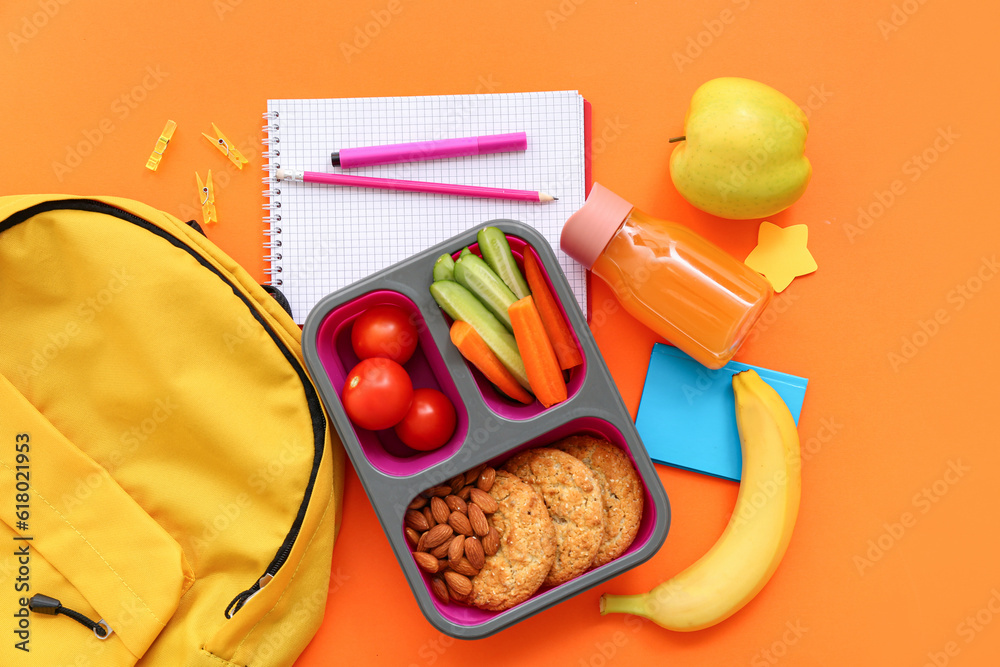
{"points": [[226, 147], [161, 145], [206, 192]]}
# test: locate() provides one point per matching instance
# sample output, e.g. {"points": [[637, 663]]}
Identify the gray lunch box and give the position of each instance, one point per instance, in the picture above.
{"points": [[490, 426]]}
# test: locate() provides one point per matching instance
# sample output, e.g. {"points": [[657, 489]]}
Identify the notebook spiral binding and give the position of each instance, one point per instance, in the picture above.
{"points": [[272, 215]]}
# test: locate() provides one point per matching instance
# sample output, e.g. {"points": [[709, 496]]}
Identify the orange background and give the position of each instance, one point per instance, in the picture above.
{"points": [[858, 587]]}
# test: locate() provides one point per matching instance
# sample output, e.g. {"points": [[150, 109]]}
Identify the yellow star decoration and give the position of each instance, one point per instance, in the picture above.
{"points": [[781, 254]]}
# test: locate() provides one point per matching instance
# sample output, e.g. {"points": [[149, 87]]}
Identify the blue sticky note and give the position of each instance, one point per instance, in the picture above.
{"points": [[687, 414]]}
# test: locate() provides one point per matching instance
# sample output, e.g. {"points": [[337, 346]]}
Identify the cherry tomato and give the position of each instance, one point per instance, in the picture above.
{"points": [[430, 421], [377, 393], [384, 331]]}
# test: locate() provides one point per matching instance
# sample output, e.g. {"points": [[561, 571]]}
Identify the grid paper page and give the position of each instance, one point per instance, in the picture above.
{"points": [[332, 236]]}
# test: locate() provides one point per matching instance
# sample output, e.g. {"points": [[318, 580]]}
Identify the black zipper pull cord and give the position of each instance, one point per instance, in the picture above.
{"points": [[43, 604]]}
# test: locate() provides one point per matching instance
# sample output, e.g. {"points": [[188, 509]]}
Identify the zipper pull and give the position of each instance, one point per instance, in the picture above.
{"points": [[43, 604]]}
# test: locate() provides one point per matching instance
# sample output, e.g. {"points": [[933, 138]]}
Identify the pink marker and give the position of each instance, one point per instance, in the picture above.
{"points": [[349, 158], [411, 186]]}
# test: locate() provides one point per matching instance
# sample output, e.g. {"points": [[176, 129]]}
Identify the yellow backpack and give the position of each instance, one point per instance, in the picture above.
{"points": [[170, 489]]}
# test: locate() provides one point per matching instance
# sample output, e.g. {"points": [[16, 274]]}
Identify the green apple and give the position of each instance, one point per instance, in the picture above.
{"points": [[741, 156]]}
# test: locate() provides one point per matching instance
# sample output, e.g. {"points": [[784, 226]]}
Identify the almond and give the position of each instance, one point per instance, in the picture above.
{"points": [[486, 478], [456, 504], [491, 542], [429, 516], [416, 521], [456, 483], [413, 537], [480, 526], [440, 589], [464, 566], [474, 552], [437, 535], [464, 493], [427, 562], [439, 491], [439, 509], [460, 523], [456, 549], [417, 503], [485, 501], [441, 550], [458, 585], [422, 542], [472, 475]]}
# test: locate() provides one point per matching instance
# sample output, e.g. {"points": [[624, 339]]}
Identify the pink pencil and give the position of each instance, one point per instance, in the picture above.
{"points": [[411, 186]]}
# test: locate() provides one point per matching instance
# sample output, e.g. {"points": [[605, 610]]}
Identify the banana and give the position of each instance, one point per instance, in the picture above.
{"points": [[741, 562]]}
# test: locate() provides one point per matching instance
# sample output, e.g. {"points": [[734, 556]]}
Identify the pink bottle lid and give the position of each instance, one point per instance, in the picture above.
{"points": [[588, 231]]}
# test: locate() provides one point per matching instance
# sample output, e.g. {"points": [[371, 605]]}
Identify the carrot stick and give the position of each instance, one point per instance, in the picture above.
{"points": [[540, 362], [548, 309], [474, 348]]}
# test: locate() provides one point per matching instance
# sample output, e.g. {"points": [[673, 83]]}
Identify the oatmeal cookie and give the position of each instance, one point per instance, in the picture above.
{"points": [[572, 496]]}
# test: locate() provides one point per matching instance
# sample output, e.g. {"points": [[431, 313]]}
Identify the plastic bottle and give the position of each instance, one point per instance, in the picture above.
{"points": [[680, 285]]}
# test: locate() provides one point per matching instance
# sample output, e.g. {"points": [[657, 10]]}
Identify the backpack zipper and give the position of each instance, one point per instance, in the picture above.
{"points": [[312, 398], [43, 604]]}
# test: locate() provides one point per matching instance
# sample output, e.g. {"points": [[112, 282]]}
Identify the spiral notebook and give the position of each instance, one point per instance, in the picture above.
{"points": [[323, 238]]}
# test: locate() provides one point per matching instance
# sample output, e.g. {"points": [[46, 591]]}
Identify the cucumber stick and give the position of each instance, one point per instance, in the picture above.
{"points": [[476, 276], [496, 251], [444, 268], [461, 304]]}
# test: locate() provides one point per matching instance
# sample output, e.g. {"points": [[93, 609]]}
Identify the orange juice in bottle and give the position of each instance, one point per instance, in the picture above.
{"points": [[683, 287]]}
